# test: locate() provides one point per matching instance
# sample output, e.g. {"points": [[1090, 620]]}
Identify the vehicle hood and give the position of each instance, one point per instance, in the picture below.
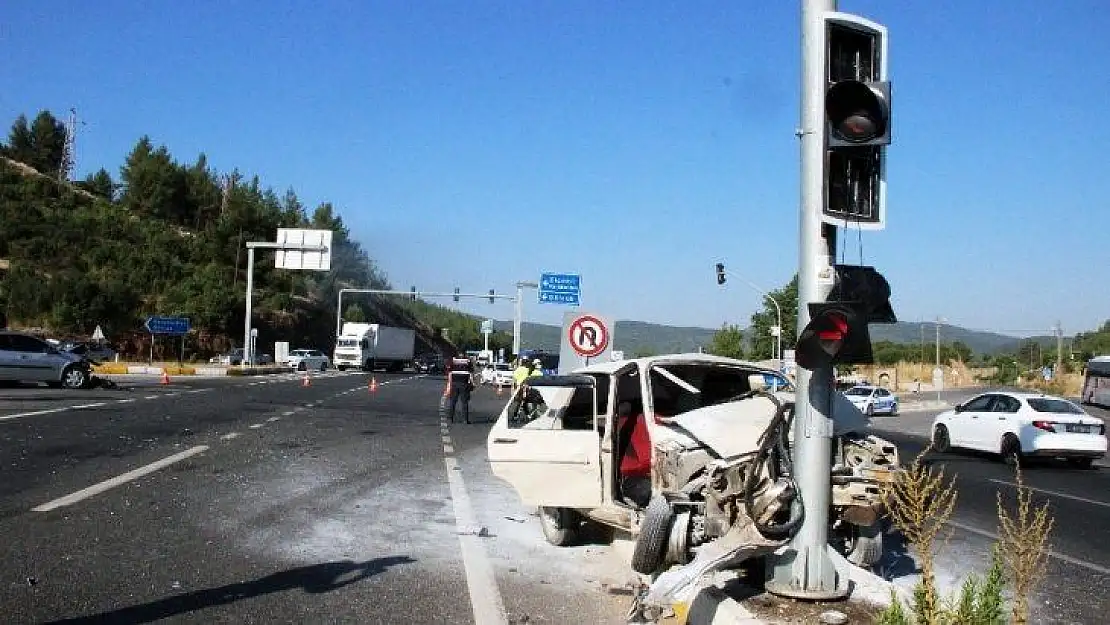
{"points": [[734, 428]]}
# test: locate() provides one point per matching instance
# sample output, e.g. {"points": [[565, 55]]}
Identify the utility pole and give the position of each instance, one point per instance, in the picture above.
{"points": [[1059, 349], [807, 570], [68, 167]]}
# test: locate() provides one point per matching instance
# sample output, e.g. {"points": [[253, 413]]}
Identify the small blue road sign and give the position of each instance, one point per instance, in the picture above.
{"points": [[167, 325], [560, 288]]}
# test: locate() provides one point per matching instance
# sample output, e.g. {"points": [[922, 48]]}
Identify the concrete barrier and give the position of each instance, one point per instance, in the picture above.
{"points": [[123, 368]]}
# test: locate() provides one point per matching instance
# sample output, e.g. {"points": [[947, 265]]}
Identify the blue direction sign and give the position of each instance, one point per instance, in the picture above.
{"points": [[560, 288], [167, 325]]}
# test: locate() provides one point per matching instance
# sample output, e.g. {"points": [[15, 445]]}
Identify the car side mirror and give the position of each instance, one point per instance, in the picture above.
{"points": [[959, 408]]}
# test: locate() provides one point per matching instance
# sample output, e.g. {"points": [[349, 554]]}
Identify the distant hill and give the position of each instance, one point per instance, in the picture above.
{"points": [[640, 337]]}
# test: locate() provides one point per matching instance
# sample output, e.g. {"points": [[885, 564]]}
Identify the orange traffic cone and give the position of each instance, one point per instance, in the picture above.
{"points": [[373, 385], [306, 380], [165, 377]]}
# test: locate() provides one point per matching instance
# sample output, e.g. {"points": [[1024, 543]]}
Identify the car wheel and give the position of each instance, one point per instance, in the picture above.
{"points": [[941, 442], [323, 366], [1082, 463], [560, 525], [74, 377], [870, 410], [1011, 450], [651, 543], [863, 546]]}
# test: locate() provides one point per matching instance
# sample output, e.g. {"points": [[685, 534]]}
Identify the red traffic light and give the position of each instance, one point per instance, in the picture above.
{"points": [[836, 333], [858, 112]]}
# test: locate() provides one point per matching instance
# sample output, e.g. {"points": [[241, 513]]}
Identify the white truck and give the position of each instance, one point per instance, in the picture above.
{"points": [[374, 346]]}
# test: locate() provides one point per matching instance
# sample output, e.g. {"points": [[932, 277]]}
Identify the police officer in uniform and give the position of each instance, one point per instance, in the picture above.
{"points": [[460, 381]]}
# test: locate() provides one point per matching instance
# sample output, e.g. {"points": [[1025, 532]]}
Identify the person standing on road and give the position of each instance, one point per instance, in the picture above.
{"points": [[460, 381]]}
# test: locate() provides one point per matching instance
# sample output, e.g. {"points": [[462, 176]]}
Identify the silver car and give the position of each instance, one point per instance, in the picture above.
{"points": [[27, 358]]}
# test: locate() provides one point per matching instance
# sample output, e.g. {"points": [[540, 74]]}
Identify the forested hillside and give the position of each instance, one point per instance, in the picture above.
{"points": [[165, 237]]}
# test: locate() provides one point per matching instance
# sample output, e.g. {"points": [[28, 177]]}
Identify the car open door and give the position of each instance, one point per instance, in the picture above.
{"points": [[546, 444]]}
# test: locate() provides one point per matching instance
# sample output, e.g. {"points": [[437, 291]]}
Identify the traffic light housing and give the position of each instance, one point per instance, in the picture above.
{"points": [[491, 294], [857, 125], [721, 273], [456, 298], [838, 328], [412, 295]]}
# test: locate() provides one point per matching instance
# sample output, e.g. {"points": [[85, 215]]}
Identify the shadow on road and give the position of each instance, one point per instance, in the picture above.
{"points": [[314, 579]]}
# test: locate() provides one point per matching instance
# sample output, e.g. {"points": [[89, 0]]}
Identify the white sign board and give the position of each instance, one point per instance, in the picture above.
{"points": [[303, 259], [487, 326], [281, 351], [98, 334], [587, 337], [938, 379]]}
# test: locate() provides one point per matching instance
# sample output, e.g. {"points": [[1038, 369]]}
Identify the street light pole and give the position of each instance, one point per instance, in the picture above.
{"points": [[776, 347], [518, 316]]}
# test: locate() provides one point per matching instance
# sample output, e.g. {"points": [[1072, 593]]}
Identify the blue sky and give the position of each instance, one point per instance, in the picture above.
{"points": [[475, 144]]}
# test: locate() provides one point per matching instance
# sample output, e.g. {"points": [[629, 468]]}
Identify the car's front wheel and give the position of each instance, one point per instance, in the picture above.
{"points": [[560, 525], [74, 377], [941, 441]]}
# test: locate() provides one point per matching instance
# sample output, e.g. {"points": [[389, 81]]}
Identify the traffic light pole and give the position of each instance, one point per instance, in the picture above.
{"points": [[804, 568], [515, 299]]}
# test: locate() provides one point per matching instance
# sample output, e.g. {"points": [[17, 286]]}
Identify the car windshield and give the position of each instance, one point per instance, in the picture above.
{"points": [[347, 342], [677, 388], [542, 406], [301, 352], [1057, 406], [858, 391]]}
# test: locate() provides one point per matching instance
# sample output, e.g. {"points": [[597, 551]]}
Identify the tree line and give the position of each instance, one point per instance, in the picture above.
{"points": [[164, 237]]}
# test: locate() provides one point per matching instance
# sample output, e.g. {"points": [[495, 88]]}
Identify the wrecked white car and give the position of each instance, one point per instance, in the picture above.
{"points": [[680, 450]]}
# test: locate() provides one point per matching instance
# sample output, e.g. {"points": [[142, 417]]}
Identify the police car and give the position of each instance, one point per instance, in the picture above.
{"points": [[872, 400]]}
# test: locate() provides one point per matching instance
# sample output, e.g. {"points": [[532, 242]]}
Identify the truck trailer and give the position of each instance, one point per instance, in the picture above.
{"points": [[371, 346]]}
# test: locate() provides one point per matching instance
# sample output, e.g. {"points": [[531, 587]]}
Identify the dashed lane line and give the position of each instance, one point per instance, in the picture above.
{"points": [[33, 413], [1091, 566], [1056, 493], [109, 484]]}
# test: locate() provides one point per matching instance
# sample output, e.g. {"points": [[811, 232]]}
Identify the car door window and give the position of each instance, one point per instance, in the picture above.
{"points": [[1006, 404], [27, 344], [979, 404]]}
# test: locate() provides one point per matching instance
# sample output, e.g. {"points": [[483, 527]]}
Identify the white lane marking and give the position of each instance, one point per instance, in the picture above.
{"points": [[230, 435], [83, 406], [32, 414], [485, 598], [255, 426], [1056, 493], [108, 484], [287, 413], [272, 419], [125, 401], [152, 397], [1053, 554], [199, 390]]}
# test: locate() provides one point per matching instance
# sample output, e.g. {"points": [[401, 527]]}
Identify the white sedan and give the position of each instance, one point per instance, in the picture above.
{"points": [[306, 359], [498, 374], [873, 400], [1019, 425]]}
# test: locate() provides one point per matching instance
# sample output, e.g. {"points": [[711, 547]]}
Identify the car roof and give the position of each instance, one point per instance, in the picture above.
{"points": [[565, 381], [1024, 395], [681, 358]]}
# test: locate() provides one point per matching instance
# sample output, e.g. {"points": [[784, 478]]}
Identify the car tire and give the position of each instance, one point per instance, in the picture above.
{"points": [[74, 377], [651, 543], [323, 366], [941, 441], [1011, 450], [559, 525], [870, 410], [865, 545]]}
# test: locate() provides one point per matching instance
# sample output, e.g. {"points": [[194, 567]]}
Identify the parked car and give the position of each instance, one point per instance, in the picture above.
{"points": [[305, 359], [27, 358], [232, 358], [873, 400], [1020, 425], [497, 374], [665, 448], [428, 363], [95, 352]]}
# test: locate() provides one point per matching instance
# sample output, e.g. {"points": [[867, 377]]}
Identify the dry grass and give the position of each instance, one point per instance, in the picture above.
{"points": [[1023, 541], [920, 502]]}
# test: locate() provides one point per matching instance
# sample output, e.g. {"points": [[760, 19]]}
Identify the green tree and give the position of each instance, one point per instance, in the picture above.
{"points": [[100, 184], [728, 342], [40, 144], [762, 343]]}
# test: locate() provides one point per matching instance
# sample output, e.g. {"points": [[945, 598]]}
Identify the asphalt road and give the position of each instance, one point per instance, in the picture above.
{"points": [[1079, 500], [257, 500]]}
